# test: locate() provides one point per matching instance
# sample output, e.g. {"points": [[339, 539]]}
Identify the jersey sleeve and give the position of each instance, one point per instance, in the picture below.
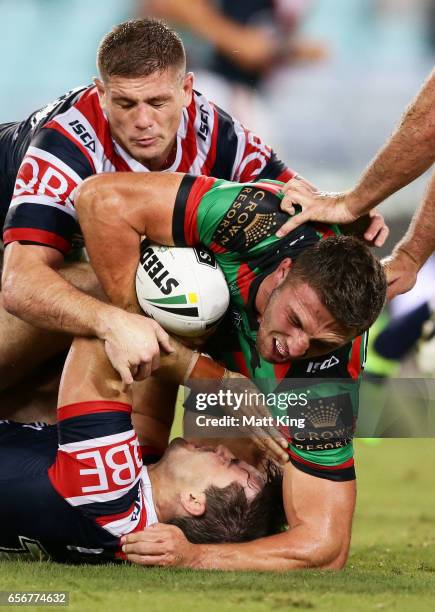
{"points": [[98, 465], [226, 216], [42, 208], [242, 156]]}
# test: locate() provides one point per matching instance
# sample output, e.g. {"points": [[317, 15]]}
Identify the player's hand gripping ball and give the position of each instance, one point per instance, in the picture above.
{"points": [[183, 289]]}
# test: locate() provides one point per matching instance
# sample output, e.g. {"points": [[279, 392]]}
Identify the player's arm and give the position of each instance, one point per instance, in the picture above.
{"points": [[38, 232], [406, 155], [410, 253], [319, 513], [115, 211], [34, 291]]}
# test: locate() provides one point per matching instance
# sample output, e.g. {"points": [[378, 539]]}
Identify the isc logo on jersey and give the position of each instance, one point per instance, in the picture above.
{"points": [[183, 289]]}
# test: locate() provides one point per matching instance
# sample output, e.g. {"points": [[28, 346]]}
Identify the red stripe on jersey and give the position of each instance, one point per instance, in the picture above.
{"points": [[189, 146], [120, 555], [35, 235], [239, 360], [211, 155], [346, 464], [53, 125], [354, 365], [285, 176], [269, 187], [324, 229], [89, 106], [281, 369], [200, 187], [258, 155], [109, 518], [70, 411], [216, 248], [245, 276]]}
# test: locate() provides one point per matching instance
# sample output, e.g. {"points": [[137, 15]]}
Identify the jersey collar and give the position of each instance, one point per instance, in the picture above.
{"points": [[148, 498]]}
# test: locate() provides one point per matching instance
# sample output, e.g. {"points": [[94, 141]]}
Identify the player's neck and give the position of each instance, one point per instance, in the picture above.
{"points": [[163, 491], [264, 292]]}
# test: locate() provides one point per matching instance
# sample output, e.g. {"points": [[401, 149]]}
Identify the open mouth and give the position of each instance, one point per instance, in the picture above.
{"points": [[280, 350]]}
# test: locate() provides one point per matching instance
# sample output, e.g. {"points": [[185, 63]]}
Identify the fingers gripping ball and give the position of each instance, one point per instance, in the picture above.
{"points": [[183, 289]]}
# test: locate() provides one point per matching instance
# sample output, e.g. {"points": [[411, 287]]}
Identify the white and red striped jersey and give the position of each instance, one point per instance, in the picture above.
{"points": [[99, 470], [71, 140], [68, 492]]}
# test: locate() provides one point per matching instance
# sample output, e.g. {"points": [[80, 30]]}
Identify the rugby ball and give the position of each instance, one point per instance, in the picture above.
{"points": [[183, 289]]}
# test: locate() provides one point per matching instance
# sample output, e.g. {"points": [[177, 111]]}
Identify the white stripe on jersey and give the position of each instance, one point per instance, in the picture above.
{"points": [[54, 161], [81, 500], [148, 497], [98, 156], [46, 201], [241, 145], [202, 146], [91, 443]]}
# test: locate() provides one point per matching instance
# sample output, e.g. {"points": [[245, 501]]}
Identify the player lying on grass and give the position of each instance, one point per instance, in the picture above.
{"points": [[70, 492], [298, 305]]}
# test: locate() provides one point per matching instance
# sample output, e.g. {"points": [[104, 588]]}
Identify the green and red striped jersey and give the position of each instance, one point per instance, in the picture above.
{"points": [[238, 222]]}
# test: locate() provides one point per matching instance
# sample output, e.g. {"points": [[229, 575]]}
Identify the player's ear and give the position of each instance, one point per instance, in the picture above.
{"points": [[101, 90], [188, 88], [193, 502], [282, 270]]}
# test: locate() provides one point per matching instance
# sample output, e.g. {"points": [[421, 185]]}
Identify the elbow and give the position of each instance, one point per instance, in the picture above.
{"points": [[9, 293], [329, 554], [94, 197]]}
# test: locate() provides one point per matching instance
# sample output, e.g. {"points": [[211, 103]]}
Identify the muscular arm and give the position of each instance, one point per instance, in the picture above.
{"points": [[34, 290], [406, 155], [410, 253], [115, 210], [319, 513]]}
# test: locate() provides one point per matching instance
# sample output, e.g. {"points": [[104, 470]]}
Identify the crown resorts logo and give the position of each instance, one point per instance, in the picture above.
{"points": [[259, 228], [323, 416]]}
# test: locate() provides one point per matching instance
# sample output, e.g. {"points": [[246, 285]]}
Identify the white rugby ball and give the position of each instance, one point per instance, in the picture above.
{"points": [[183, 289]]}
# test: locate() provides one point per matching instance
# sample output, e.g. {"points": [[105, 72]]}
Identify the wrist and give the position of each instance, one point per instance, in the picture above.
{"points": [[104, 317], [206, 367], [355, 205], [197, 557], [405, 252]]}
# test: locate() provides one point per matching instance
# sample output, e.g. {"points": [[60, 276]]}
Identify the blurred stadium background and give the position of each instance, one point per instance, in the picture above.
{"points": [[326, 116]]}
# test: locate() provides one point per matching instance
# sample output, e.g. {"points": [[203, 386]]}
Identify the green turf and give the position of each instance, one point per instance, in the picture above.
{"points": [[391, 566]]}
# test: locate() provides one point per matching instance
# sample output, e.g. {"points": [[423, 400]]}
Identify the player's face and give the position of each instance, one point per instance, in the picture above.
{"points": [[144, 113], [203, 467], [296, 325]]}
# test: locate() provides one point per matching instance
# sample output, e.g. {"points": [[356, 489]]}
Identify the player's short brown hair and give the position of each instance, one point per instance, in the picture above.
{"points": [[139, 47], [229, 517], [347, 277]]}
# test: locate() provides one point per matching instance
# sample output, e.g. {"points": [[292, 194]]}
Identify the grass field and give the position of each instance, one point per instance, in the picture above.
{"points": [[391, 567]]}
